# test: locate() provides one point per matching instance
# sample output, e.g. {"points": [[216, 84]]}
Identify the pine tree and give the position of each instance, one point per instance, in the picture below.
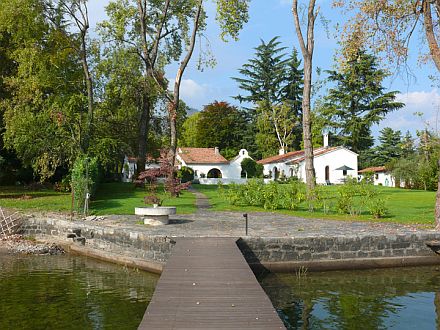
{"points": [[358, 101], [272, 80], [390, 146]]}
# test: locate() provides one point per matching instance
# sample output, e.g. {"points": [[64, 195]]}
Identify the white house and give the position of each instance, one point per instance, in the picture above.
{"points": [[332, 165], [381, 176], [130, 166], [209, 165]]}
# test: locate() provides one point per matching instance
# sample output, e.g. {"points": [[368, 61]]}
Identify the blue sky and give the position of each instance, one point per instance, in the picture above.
{"points": [[269, 18]]}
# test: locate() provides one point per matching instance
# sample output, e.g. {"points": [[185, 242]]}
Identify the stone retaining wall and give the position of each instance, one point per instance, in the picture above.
{"points": [[111, 240], [280, 254]]}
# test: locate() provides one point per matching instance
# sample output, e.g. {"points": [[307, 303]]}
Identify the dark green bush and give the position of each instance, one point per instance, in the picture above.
{"points": [[185, 174]]}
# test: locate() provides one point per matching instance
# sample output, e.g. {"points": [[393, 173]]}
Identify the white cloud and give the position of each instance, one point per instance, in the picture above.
{"points": [[419, 102], [190, 89]]}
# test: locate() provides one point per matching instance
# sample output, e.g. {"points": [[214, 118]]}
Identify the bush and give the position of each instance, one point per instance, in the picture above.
{"points": [[271, 196], [185, 174], [252, 168], [84, 179], [63, 186]]}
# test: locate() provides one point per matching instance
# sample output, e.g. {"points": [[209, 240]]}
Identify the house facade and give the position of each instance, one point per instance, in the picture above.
{"points": [[332, 165], [210, 166], [381, 176]]}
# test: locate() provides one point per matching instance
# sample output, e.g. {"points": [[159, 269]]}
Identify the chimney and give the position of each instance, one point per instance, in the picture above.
{"points": [[325, 140], [282, 151], [216, 151]]}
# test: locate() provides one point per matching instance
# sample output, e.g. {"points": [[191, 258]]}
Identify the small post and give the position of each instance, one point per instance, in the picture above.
{"points": [[245, 215]]}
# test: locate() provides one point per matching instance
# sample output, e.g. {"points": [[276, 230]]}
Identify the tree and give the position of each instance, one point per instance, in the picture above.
{"points": [[307, 46], [154, 31], [252, 168], [390, 146], [358, 101], [44, 112], [387, 27], [273, 83], [221, 125], [188, 136]]}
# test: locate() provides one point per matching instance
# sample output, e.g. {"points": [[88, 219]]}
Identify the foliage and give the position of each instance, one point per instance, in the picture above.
{"points": [[185, 174], [357, 101], [271, 196], [273, 83], [387, 27], [354, 197], [217, 125], [252, 168], [150, 177], [84, 179], [43, 111]]}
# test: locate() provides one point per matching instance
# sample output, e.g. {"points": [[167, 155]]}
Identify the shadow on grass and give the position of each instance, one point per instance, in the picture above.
{"points": [[32, 195], [104, 204]]}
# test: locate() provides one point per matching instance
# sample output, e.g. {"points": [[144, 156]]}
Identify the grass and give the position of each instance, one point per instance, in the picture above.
{"points": [[122, 198], [111, 198], [404, 206], [20, 198]]}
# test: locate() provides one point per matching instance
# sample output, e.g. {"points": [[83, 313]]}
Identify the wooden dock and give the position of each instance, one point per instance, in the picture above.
{"points": [[207, 284]]}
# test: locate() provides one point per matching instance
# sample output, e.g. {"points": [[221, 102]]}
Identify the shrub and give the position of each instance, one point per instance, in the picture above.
{"points": [[63, 186], [84, 179], [185, 174]]}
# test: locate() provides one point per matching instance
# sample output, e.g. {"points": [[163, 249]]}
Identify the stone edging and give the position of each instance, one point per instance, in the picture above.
{"points": [[138, 249]]}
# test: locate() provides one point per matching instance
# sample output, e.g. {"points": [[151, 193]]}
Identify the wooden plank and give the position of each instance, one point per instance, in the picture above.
{"points": [[207, 284]]}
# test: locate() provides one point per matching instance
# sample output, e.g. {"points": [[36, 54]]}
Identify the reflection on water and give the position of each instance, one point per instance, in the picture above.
{"points": [[71, 292], [400, 298]]}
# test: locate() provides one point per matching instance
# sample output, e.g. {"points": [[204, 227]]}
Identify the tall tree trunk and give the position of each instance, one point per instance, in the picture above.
{"points": [[307, 52], [174, 102], [149, 57], [89, 86], [143, 130], [429, 31], [437, 201]]}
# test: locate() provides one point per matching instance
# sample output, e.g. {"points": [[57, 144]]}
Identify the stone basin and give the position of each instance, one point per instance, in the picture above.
{"points": [[155, 216]]}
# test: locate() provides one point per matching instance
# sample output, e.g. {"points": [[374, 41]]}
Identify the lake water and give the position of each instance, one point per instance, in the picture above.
{"points": [[399, 298], [71, 292]]}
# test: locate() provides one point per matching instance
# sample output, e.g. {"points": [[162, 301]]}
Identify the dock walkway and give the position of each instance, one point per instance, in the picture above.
{"points": [[207, 284]]}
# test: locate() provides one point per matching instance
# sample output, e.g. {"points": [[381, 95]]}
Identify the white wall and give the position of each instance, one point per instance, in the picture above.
{"points": [[230, 171], [334, 160]]}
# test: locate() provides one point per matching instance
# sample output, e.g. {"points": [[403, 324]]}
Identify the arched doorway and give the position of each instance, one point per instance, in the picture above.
{"points": [[276, 173], [214, 173], [327, 174]]}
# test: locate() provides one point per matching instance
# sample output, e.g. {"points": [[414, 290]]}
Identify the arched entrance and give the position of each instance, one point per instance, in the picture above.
{"points": [[276, 173], [327, 174], [214, 173]]}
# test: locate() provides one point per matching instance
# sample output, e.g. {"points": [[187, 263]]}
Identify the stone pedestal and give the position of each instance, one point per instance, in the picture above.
{"points": [[155, 216]]}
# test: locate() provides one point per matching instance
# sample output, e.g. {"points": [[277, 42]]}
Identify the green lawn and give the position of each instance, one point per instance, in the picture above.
{"points": [[405, 206], [111, 198], [122, 198]]}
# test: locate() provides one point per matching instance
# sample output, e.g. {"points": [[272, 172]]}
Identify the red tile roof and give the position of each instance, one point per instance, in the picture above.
{"points": [[373, 169], [201, 156], [316, 152], [294, 157], [281, 158]]}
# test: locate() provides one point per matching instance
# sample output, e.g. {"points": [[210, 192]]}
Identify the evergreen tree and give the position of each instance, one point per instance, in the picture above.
{"points": [[358, 101], [390, 146], [273, 82]]}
